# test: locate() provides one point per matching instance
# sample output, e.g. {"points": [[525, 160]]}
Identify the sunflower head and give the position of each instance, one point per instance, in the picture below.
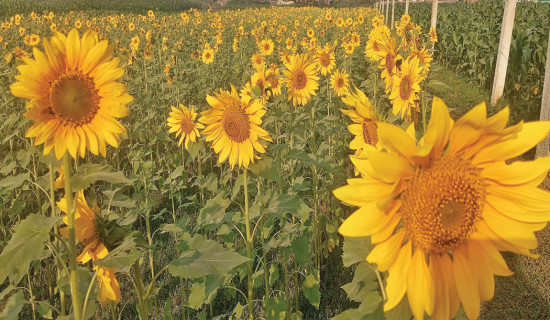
{"points": [[301, 79], [440, 210], [233, 126], [182, 122], [406, 87], [73, 95], [339, 82]]}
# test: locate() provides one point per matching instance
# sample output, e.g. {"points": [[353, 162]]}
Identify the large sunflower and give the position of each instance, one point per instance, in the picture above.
{"points": [[182, 122], [325, 60], [365, 122], [233, 126], [73, 95], [440, 211], [406, 85], [301, 79]]}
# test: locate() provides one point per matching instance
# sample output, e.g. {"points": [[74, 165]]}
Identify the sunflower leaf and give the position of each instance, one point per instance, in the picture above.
{"points": [[26, 245], [90, 173], [355, 250], [13, 307]]}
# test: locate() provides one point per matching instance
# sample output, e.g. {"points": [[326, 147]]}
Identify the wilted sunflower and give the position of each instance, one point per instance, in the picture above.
{"points": [[73, 95], [406, 86], [233, 126], [440, 211], [365, 122], [339, 82], [182, 122], [301, 79], [86, 232]]}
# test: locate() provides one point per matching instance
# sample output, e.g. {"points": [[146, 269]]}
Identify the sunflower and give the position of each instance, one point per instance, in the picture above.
{"points": [[365, 122], [339, 82], [266, 47], [406, 87], [258, 80], [233, 126], [86, 231], [73, 95], [272, 76], [182, 122], [389, 62], [440, 211], [301, 79], [257, 61], [424, 60], [433, 35], [325, 60], [376, 37], [207, 56]]}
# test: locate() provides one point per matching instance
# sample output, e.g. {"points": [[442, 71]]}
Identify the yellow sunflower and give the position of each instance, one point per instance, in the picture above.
{"points": [[182, 122], [325, 60], [73, 94], [424, 60], [109, 288], [433, 35], [339, 82], [389, 62], [365, 122], [376, 37], [257, 60], [233, 126], [406, 87], [301, 79], [440, 211], [266, 47], [272, 77], [207, 56], [258, 80]]}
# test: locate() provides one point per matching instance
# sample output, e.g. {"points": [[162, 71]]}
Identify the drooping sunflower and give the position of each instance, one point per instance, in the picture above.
{"points": [[73, 94], [207, 56], [233, 126], [406, 86], [365, 121], [86, 232], [439, 211], [325, 60], [182, 122], [301, 79], [339, 82]]}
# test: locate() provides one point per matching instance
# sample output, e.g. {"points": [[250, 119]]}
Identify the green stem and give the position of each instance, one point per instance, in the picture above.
{"points": [[138, 283], [56, 231], [31, 299], [148, 227], [88, 292], [316, 238], [249, 264], [287, 294], [199, 168], [72, 237], [423, 106]]}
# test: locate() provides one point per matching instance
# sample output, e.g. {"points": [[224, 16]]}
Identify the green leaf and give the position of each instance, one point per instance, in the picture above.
{"points": [[438, 85], [25, 246], [275, 308], [44, 309], [282, 204], [355, 250], [122, 257], [13, 182], [300, 248], [264, 168], [204, 257], [237, 311], [90, 173], [364, 281], [214, 211], [310, 287], [13, 307], [369, 305], [400, 312], [167, 308], [194, 148], [196, 298]]}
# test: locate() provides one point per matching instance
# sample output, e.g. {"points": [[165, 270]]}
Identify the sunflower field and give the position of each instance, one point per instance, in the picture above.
{"points": [[259, 163]]}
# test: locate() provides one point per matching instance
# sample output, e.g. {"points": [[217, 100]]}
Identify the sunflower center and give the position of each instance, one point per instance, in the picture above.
{"points": [[340, 82], [390, 63], [405, 88], [236, 124], [186, 125], [300, 79], [260, 84], [375, 46], [74, 99], [370, 135], [267, 47], [442, 204], [324, 60]]}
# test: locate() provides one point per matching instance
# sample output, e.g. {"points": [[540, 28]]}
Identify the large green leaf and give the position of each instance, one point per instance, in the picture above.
{"points": [[13, 307], [204, 257], [90, 173], [122, 257], [275, 308], [196, 298], [310, 287], [355, 250], [26, 245], [370, 304], [364, 281], [300, 248], [213, 214], [12, 182]]}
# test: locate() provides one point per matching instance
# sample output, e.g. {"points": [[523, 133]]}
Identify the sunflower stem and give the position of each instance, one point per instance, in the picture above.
{"points": [[89, 292], [249, 264], [31, 296], [316, 238], [423, 103], [200, 178], [56, 231], [148, 227], [72, 237]]}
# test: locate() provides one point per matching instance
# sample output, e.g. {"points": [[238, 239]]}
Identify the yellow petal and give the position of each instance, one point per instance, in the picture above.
{"points": [[420, 286], [466, 282], [467, 129], [519, 172], [438, 131], [385, 253], [364, 222], [397, 279]]}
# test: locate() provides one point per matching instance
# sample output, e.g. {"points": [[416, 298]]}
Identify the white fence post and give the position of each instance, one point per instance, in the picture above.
{"points": [[387, 11], [434, 14], [392, 13], [542, 148], [407, 6], [503, 50]]}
